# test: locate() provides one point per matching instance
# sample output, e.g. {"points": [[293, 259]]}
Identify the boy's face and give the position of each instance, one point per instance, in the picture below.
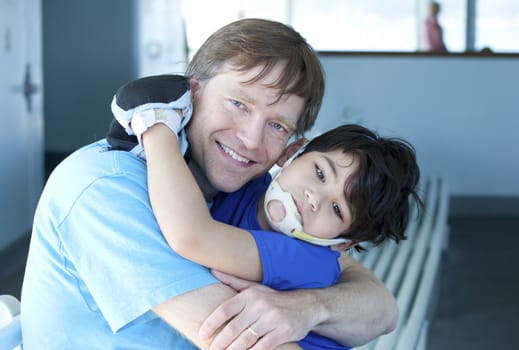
{"points": [[316, 182], [239, 130]]}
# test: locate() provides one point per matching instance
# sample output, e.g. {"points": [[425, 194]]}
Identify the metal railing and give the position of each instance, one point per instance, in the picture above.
{"points": [[10, 326], [410, 270]]}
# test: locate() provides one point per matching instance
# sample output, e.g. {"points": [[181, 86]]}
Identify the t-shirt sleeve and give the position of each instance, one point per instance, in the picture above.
{"points": [[289, 263], [314, 341], [124, 265]]}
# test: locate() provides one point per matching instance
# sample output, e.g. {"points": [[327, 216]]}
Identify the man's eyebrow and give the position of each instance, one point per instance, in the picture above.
{"points": [[240, 94]]}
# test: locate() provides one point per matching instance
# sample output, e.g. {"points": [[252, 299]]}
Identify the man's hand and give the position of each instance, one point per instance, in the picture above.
{"points": [[353, 312], [276, 317]]}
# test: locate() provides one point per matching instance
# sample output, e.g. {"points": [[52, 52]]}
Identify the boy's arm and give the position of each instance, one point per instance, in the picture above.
{"points": [[183, 216], [356, 310], [198, 237]]}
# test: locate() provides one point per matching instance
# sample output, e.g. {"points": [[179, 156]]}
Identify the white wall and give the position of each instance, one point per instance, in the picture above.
{"points": [[459, 112], [161, 39]]}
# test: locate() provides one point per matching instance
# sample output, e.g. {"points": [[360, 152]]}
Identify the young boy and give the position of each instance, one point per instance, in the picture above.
{"points": [[344, 187]]}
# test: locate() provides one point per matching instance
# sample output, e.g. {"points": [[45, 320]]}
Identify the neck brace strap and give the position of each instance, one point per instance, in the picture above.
{"points": [[317, 240]]}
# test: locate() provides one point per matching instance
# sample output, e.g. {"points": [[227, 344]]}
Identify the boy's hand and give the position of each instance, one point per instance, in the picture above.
{"points": [[156, 99], [143, 120]]}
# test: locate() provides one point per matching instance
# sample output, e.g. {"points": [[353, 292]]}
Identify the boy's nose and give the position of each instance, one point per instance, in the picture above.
{"points": [[312, 198]]}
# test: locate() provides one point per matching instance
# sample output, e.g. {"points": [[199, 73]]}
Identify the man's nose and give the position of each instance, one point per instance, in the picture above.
{"points": [[250, 132]]}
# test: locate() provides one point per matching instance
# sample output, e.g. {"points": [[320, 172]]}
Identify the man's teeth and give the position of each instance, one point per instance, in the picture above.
{"points": [[234, 155]]}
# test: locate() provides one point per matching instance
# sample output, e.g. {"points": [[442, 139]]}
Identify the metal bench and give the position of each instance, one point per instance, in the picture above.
{"points": [[10, 326], [410, 269]]}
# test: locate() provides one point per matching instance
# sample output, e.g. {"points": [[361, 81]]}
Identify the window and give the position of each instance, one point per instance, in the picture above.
{"points": [[453, 20], [367, 25], [202, 17], [497, 25]]}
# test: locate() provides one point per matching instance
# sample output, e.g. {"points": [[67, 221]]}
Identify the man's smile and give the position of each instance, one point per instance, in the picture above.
{"points": [[233, 154]]}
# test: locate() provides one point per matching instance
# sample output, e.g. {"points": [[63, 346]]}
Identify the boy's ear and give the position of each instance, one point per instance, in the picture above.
{"points": [[290, 150]]}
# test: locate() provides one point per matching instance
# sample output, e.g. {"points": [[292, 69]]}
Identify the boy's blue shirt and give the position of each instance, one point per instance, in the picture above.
{"points": [[287, 263]]}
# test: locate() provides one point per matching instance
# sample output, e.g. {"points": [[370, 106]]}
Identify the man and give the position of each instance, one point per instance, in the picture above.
{"points": [[433, 30], [99, 273]]}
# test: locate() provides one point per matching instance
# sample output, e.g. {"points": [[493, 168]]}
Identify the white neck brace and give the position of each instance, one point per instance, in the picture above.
{"points": [[292, 219]]}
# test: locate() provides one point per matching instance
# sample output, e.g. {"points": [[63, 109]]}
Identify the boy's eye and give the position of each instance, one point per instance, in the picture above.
{"points": [[319, 173], [337, 210]]}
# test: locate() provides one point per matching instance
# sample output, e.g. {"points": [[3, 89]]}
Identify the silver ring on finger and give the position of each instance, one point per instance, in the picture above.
{"points": [[254, 333]]}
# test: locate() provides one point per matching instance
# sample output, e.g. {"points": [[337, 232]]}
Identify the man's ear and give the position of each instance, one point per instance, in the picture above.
{"points": [[195, 86], [290, 150]]}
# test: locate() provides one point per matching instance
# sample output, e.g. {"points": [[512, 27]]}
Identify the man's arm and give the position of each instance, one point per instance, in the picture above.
{"points": [[354, 311], [359, 308], [186, 313]]}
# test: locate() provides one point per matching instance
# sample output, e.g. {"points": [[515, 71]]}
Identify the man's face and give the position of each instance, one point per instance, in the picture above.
{"points": [[239, 129]]}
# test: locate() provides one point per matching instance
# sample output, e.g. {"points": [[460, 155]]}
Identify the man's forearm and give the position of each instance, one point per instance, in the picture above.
{"points": [[186, 312], [357, 309]]}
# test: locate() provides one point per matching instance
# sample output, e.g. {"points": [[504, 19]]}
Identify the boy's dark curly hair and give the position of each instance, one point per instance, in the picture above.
{"points": [[383, 187]]}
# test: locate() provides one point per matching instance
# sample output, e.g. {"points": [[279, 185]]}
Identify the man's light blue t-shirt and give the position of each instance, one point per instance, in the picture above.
{"points": [[98, 262]]}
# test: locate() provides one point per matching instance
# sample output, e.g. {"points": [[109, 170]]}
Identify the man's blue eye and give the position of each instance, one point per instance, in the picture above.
{"points": [[278, 126], [237, 103]]}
